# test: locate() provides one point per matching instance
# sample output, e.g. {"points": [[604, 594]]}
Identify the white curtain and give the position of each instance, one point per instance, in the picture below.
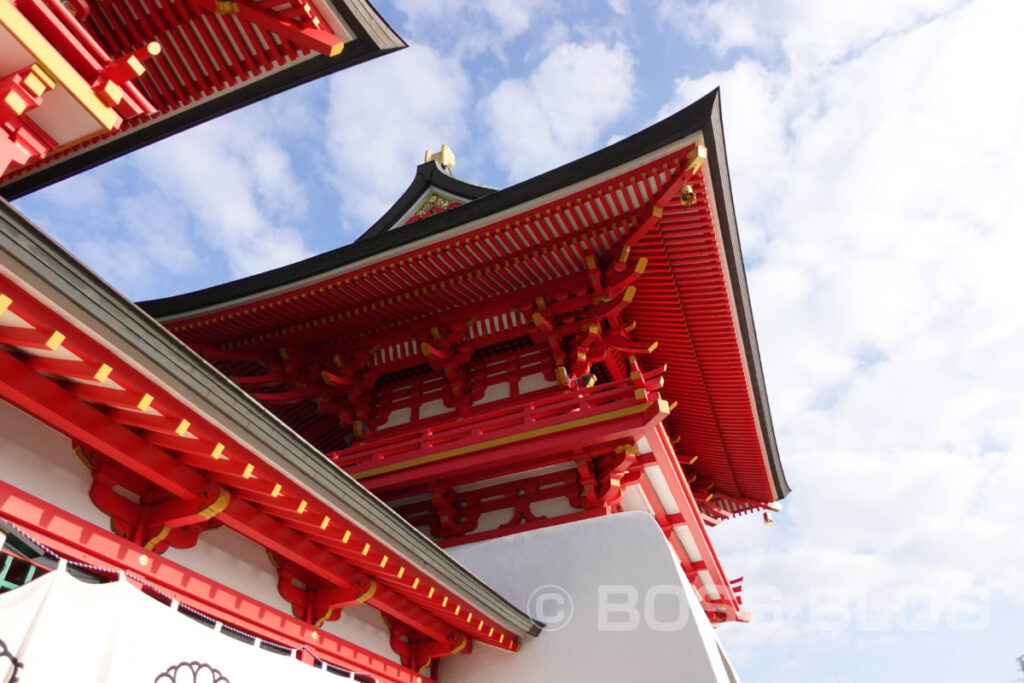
{"points": [[58, 629]]}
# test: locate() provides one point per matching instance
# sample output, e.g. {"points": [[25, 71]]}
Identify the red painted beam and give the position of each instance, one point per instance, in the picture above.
{"points": [[79, 540]]}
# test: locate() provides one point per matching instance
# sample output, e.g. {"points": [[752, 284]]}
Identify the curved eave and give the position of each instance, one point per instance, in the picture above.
{"points": [[428, 175], [703, 117], [372, 37], [56, 277]]}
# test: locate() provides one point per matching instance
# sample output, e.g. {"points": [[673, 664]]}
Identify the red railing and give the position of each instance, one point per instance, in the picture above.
{"points": [[533, 413]]}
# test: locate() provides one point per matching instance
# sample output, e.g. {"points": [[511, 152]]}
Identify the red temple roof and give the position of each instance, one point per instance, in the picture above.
{"points": [[120, 75], [509, 246]]}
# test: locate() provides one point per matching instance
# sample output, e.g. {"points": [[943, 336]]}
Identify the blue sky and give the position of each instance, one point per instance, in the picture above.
{"points": [[875, 157]]}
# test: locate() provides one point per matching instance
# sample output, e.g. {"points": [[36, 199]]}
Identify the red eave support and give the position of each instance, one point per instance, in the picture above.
{"points": [[292, 523], [80, 540], [667, 462]]}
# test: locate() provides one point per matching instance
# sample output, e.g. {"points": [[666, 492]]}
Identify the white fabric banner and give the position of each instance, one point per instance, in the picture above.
{"points": [[58, 629]]}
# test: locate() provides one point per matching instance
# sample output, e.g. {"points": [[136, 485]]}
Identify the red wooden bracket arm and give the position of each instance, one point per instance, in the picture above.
{"points": [[317, 40]]}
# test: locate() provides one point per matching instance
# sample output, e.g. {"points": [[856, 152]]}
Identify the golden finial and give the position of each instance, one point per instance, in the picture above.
{"points": [[445, 157]]}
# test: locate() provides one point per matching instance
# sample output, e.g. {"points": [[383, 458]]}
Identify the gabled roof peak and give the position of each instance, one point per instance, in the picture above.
{"points": [[445, 158], [433, 190]]}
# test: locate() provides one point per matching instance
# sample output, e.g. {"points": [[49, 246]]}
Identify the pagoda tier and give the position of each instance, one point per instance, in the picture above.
{"points": [[82, 81], [578, 344]]}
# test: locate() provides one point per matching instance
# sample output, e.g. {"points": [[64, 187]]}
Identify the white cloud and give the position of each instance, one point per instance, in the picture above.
{"points": [[409, 102], [474, 26], [807, 32], [236, 183], [560, 110], [876, 175], [619, 6]]}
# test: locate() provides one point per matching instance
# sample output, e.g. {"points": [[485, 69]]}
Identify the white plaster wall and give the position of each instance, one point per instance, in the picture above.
{"points": [[39, 460], [495, 392], [434, 408], [535, 382], [673, 640]]}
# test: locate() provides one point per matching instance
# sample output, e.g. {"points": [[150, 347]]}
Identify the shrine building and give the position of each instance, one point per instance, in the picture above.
{"points": [[485, 438]]}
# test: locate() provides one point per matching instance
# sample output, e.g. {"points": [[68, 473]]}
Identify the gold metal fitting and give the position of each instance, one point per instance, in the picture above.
{"points": [[226, 7], [687, 196]]}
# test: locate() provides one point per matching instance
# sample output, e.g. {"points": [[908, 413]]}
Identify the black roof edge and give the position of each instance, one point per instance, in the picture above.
{"points": [[373, 37], [46, 267], [703, 116], [718, 166], [678, 126], [428, 174]]}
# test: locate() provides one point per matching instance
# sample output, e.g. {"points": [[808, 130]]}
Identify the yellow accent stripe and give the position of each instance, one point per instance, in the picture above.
{"points": [[505, 440], [369, 592], [5, 303], [162, 534], [325, 617], [218, 506], [55, 340], [54, 64], [104, 371], [461, 646]]}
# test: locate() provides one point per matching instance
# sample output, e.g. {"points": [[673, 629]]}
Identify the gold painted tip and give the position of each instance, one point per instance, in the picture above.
{"points": [[5, 303], [144, 403], [348, 535], [641, 265], [113, 91], [182, 427], [692, 460], [384, 561], [628, 295], [218, 449], [696, 158], [657, 211], [538, 319], [325, 523], [302, 507], [247, 472], [15, 102], [135, 64], [366, 549], [276, 491], [34, 84], [154, 48], [336, 49], [55, 340], [103, 373], [44, 76], [653, 347]]}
